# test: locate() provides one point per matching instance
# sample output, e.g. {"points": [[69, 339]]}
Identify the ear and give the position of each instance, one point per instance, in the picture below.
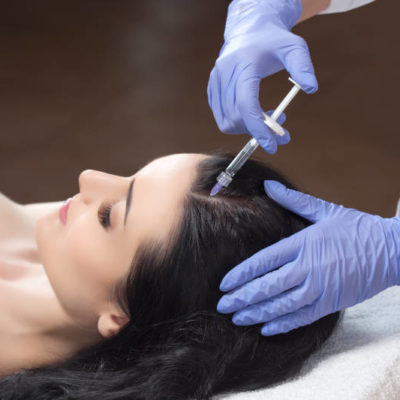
{"points": [[111, 322]]}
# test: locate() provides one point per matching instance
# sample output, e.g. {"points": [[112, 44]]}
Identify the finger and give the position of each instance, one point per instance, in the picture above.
{"points": [[283, 139], [280, 140], [276, 307], [304, 316], [233, 122], [247, 91], [297, 62], [281, 119], [209, 90], [305, 205], [261, 289], [264, 261], [214, 100]]}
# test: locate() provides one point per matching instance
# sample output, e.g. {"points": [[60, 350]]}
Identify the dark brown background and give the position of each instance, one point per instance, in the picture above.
{"points": [[110, 85]]}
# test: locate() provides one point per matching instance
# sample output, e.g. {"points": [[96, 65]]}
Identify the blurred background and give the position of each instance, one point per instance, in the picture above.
{"points": [[111, 85]]}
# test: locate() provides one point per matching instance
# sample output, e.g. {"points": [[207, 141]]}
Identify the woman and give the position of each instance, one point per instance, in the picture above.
{"points": [[126, 287]]}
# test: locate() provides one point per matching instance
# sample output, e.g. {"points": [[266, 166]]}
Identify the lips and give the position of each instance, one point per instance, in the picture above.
{"points": [[62, 213]]}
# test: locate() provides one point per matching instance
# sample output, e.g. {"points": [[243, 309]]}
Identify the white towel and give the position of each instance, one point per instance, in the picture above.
{"points": [[361, 360]]}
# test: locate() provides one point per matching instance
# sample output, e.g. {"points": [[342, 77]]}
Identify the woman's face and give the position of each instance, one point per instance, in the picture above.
{"points": [[84, 260]]}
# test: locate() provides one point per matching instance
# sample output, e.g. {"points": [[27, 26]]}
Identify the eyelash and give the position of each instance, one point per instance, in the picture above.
{"points": [[104, 214]]}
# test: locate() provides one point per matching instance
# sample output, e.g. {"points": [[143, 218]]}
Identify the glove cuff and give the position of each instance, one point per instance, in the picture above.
{"points": [[290, 12]]}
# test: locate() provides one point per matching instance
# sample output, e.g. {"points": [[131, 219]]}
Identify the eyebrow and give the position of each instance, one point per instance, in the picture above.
{"points": [[128, 201]]}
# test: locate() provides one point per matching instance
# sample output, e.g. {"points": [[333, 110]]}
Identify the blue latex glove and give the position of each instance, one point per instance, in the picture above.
{"points": [[258, 43], [344, 258]]}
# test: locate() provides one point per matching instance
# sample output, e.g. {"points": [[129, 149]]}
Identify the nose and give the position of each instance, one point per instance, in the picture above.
{"points": [[95, 185]]}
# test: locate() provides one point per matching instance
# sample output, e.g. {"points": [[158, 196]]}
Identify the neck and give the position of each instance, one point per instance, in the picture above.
{"points": [[42, 334]]}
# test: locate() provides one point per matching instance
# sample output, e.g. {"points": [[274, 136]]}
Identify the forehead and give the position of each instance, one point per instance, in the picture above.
{"points": [[170, 166], [158, 194]]}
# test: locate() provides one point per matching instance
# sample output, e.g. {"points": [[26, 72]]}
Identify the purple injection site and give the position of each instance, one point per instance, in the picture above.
{"points": [[217, 187]]}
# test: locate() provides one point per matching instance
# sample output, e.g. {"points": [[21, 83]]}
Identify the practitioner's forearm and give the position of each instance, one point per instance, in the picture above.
{"points": [[313, 7]]}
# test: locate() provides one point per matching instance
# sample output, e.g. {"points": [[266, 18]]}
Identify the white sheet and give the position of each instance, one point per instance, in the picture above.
{"points": [[361, 360], [344, 5]]}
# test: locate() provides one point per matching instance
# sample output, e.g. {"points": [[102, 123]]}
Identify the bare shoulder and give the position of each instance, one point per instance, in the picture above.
{"points": [[37, 210], [32, 211], [9, 208], [7, 201]]}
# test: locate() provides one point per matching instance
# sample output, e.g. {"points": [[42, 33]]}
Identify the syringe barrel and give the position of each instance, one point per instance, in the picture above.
{"points": [[225, 177], [242, 157]]}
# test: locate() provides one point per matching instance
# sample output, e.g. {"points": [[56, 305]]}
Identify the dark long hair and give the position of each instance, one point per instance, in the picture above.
{"points": [[176, 345]]}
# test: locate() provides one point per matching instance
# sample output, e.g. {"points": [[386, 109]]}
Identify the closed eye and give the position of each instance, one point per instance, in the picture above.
{"points": [[104, 214]]}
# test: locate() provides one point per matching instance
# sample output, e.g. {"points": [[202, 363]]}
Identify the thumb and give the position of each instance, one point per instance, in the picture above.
{"points": [[305, 205], [298, 63]]}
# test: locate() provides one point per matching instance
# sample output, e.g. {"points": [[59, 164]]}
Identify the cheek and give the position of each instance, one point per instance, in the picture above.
{"points": [[77, 263]]}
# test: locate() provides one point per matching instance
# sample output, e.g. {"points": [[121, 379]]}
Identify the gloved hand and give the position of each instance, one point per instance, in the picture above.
{"points": [[258, 43], [344, 258]]}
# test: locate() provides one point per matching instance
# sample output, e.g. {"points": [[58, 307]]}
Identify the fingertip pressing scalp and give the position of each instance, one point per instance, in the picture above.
{"points": [[271, 186]]}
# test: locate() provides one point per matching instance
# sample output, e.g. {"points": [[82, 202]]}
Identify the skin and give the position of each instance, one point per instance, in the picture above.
{"points": [[84, 261], [313, 7]]}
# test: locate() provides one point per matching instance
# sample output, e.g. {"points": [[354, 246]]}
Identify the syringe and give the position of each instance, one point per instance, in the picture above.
{"points": [[225, 177]]}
